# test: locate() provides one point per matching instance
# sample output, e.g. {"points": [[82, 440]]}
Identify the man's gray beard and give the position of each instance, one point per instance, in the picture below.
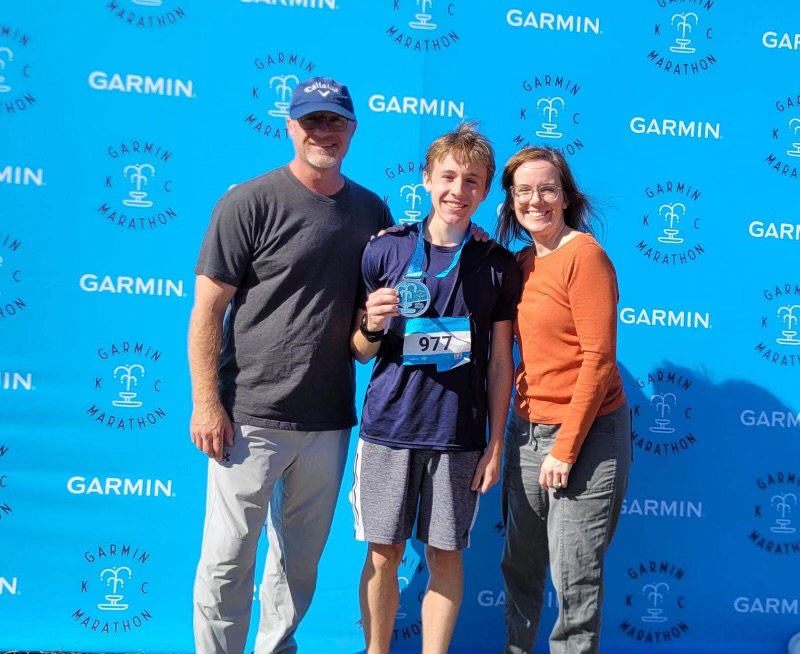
{"points": [[322, 162]]}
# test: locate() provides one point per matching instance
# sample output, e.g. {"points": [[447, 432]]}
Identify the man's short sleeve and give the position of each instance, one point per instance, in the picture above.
{"points": [[510, 288], [227, 248]]}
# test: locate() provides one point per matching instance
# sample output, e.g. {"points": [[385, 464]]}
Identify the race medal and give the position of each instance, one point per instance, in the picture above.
{"points": [[415, 298]]}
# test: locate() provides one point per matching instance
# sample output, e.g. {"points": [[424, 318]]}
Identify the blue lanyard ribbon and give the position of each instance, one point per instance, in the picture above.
{"points": [[415, 267]]}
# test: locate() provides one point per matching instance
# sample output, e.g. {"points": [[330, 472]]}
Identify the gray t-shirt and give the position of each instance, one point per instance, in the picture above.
{"points": [[295, 258]]}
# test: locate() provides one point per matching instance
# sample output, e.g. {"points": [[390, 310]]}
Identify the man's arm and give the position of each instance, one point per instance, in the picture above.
{"points": [[210, 425], [381, 305], [499, 380]]}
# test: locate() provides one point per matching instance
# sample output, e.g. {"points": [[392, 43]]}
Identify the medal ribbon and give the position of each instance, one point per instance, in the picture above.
{"points": [[415, 267]]}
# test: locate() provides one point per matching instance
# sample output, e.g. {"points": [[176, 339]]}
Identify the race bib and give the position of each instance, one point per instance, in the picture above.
{"points": [[446, 342]]}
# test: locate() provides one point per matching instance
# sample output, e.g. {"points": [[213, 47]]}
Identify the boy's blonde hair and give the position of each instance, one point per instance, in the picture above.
{"points": [[467, 146]]}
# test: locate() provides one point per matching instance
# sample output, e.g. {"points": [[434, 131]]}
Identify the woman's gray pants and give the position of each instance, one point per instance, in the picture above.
{"points": [[569, 530]]}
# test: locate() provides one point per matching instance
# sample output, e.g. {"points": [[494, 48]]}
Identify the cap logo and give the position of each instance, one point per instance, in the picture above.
{"points": [[322, 88]]}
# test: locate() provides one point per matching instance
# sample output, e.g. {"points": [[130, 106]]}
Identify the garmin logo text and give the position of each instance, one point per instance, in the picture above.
{"points": [[663, 508], [775, 605], [16, 381], [783, 419], [783, 41], [553, 22], [8, 586], [22, 176], [788, 231], [417, 106], [132, 285], [694, 129], [144, 84], [307, 4], [120, 486], [665, 318]]}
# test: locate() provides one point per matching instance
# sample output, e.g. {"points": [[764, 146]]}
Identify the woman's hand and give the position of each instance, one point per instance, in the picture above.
{"points": [[554, 473]]}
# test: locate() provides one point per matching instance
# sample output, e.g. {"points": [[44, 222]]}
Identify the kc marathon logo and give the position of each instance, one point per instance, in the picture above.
{"points": [[423, 25], [783, 157], [405, 191], [275, 78], [549, 113], [779, 325], [671, 224], [777, 513], [127, 392], [655, 603], [146, 14], [16, 93], [114, 590], [12, 302], [663, 420], [684, 39], [138, 187]]}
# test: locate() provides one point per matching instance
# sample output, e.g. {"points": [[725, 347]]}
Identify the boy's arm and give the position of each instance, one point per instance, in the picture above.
{"points": [[499, 381], [381, 306]]}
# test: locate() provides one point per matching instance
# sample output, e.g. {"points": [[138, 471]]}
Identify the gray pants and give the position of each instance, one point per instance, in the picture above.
{"points": [[295, 475], [569, 530]]}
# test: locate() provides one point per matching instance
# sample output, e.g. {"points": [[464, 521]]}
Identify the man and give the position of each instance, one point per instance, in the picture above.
{"points": [[438, 315], [274, 389]]}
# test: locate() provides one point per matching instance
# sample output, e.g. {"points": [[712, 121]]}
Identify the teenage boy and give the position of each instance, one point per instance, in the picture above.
{"points": [[437, 313]]}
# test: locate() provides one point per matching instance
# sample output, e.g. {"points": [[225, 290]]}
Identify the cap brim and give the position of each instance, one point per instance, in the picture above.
{"points": [[310, 108]]}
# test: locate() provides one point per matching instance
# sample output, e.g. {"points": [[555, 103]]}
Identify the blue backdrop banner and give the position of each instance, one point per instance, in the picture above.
{"points": [[123, 121]]}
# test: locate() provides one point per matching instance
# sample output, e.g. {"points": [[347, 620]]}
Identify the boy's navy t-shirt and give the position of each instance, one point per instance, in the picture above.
{"points": [[417, 407]]}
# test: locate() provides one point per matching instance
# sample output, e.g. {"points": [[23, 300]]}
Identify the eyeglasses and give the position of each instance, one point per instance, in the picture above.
{"points": [[547, 192], [332, 122]]}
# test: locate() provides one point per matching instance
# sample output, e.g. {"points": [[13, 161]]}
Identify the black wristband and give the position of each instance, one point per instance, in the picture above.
{"points": [[372, 337]]}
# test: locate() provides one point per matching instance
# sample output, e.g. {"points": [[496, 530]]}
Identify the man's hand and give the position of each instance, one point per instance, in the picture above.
{"points": [[211, 427], [381, 305], [554, 474], [479, 234], [389, 230], [487, 474]]}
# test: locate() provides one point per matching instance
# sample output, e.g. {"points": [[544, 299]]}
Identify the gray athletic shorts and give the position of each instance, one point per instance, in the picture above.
{"points": [[389, 485]]}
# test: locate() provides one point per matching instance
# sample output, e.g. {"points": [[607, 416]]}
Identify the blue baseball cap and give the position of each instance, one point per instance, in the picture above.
{"points": [[321, 94]]}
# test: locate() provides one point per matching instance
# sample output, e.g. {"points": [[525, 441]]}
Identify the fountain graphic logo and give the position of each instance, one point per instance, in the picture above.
{"points": [[784, 152], [655, 593], [684, 22], [670, 213], [12, 303], [413, 197], [775, 514], [654, 602], [138, 175], [5, 502], [116, 588], [549, 110], [663, 426], [145, 201], [147, 14], [405, 192], [112, 578], [130, 400], [425, 27], [276, 77], [16, 95], [685, 40], [779, 341], [284, 86]]}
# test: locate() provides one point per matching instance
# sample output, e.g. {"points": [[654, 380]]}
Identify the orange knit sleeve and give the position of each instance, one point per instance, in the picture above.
{"points": [[593, 295]]}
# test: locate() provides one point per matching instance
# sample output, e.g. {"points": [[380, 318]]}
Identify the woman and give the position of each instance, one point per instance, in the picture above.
{"points": [[568, 435]]}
